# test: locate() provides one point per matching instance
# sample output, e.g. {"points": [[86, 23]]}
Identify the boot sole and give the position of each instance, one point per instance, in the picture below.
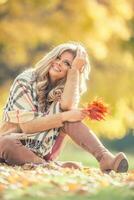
{"points": [[121, 163]]}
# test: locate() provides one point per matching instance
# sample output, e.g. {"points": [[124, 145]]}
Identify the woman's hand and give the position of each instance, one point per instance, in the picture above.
{"points": [[74, 115], [80, 60]]}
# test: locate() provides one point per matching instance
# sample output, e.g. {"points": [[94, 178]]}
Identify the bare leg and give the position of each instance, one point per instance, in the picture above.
{"points": [[13, 152], [85, 138], [59, 143]]}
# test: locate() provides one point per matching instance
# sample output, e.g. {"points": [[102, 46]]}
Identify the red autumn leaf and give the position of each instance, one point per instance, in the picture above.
{"points": [[97, 110]]}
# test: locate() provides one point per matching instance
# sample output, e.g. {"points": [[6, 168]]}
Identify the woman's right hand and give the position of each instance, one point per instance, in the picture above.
{"points": [[80, 60], [74, 115]]}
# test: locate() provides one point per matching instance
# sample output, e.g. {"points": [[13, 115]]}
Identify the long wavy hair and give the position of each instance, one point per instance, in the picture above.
{"points": [[45, 92]]}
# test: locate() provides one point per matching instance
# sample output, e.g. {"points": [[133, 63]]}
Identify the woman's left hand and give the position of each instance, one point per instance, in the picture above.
{"points": [[80, 60]]}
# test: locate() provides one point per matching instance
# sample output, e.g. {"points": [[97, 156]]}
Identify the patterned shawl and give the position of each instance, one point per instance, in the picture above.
{"points": [[22, 106]]}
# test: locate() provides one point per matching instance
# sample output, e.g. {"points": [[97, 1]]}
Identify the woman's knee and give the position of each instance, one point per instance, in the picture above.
{"points": [[72, 126], [6, 143]]}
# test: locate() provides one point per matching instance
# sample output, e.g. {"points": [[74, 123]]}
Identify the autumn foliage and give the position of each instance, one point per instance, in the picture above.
{"points": [[97, 109], [46, 181]]}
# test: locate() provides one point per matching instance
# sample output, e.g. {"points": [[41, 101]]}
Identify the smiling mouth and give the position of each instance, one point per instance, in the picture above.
{"points": [[56, 69]]}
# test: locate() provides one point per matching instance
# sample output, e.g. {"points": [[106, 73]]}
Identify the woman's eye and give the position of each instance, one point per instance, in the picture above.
{"points": [[67, 63]]}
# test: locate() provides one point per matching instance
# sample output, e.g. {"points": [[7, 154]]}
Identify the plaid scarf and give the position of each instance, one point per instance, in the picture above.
{"points": [[22, 106]]}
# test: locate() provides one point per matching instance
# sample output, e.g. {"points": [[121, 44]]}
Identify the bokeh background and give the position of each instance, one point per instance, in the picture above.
{"points": [[30, 28]]}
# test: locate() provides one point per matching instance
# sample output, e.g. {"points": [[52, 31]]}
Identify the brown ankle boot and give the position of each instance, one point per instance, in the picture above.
{"points": [[85, 138], [117, 163]]}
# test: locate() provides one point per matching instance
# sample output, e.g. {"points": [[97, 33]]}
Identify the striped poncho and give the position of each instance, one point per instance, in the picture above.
{"points": [[22, 106]]}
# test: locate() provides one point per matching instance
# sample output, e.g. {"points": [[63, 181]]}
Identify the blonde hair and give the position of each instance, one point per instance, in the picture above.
{"points": [[46, 94]]}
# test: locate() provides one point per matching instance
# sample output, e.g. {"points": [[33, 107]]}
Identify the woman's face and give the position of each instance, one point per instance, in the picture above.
{"points": [[60, 66]]}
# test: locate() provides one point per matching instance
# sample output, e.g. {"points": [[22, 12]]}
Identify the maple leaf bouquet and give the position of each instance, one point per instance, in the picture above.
{"points": [[97, 109]]}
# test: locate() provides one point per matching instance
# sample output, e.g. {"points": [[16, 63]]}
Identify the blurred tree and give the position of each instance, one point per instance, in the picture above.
{"points": [[29, 28]]}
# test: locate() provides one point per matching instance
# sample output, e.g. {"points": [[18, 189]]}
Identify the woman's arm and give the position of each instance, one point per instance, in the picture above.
{"points": [[52, 121], [70, 95], [43, 123]]}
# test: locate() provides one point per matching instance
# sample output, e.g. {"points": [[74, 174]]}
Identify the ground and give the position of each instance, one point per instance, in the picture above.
{"points": [[51, 182]]}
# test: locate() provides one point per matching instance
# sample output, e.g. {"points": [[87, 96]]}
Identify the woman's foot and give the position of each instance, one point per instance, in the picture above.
{"points": [[118, 163], [69, 164]]}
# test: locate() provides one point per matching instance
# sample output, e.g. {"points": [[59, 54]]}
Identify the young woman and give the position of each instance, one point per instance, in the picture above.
{"points": [[42, 109]]}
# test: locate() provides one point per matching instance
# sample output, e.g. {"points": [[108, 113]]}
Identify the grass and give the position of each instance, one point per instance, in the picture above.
{"points": [[104, 194]]}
